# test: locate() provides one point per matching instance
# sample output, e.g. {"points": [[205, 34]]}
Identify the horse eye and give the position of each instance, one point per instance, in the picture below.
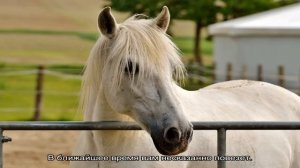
{"points": [[132, 68]]}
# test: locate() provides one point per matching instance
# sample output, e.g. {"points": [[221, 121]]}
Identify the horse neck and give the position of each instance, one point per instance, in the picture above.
{"points": [[109, 142], [100, 110]]}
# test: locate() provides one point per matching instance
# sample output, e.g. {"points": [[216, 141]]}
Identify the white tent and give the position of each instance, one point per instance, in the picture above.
{"points": [[269, 39]]}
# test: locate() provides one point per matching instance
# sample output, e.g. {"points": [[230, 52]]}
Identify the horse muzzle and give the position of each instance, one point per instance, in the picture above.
{"points": [[172, 141]]}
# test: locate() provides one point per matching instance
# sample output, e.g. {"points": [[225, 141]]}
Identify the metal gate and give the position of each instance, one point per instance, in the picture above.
{"points": [[221, 128]]}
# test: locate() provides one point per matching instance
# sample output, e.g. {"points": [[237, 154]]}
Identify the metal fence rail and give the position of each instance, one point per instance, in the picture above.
{"points": [[221, 128]]}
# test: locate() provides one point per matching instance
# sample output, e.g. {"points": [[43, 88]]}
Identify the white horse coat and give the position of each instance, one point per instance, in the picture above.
{"points": [[228, 101]]}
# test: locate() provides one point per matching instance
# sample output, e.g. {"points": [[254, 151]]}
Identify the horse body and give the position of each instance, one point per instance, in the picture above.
{"points": [[126, 84], [246, 101], [227, 101]]}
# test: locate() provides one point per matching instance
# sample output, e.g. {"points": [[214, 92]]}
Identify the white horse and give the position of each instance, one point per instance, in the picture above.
{"points": [[129, 76]]}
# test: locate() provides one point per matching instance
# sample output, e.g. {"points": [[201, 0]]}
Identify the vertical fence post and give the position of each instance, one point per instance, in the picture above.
{"points": [[201, 72], [259, 72], [1, 148], [38, 94], [214, 68], [244, 72], [3, 140], [281, 81], [299, 83], [190, 70], [221, 145], [229, 72]]}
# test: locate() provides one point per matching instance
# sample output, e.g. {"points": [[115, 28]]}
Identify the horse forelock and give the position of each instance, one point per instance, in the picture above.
{"points": [[139, 42]]}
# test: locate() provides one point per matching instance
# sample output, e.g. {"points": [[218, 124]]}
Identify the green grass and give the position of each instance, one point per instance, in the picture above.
{"points": [[67, 69], [43, 49], [17, 94], [90, 36], [186, 44]]}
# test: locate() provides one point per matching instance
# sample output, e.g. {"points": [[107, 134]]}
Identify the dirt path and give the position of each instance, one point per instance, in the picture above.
{"points": [[31, 148]]}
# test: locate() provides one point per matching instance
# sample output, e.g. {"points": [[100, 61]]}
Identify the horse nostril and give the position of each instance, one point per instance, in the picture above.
{"points": [[172, 135]]}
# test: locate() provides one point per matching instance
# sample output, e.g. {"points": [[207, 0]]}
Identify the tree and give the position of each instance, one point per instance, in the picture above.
{"points": [[202, 12], [149, 8]]}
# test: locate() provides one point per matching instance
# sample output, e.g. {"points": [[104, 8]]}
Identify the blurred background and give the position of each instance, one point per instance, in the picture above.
{"points": [[44, 45]]}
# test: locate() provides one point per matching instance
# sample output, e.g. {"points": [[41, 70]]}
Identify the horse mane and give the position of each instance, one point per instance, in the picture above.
{"points": [[138, 41]]}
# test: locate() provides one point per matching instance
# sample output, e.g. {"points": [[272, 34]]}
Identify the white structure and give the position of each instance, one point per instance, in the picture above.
{"points": [[269, 39]]}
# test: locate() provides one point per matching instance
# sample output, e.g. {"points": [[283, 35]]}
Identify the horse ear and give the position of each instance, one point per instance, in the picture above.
{"points": [[107, 23], [163, 19]]}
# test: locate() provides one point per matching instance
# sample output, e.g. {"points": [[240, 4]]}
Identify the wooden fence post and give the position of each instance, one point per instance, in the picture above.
{"points": [[190, 70], [244, 72], [200, 70], [281, 81], [214, 67], [38, 93], [298, 84], [259, 72], [229, 72]]}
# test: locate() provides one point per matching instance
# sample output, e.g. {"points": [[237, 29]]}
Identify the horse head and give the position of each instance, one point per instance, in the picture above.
{"points": [[139, 62]]}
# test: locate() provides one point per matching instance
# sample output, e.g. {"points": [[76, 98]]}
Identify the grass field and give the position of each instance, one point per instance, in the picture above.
{"points": [[65, 47], [58, 34], [60, 93]]}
